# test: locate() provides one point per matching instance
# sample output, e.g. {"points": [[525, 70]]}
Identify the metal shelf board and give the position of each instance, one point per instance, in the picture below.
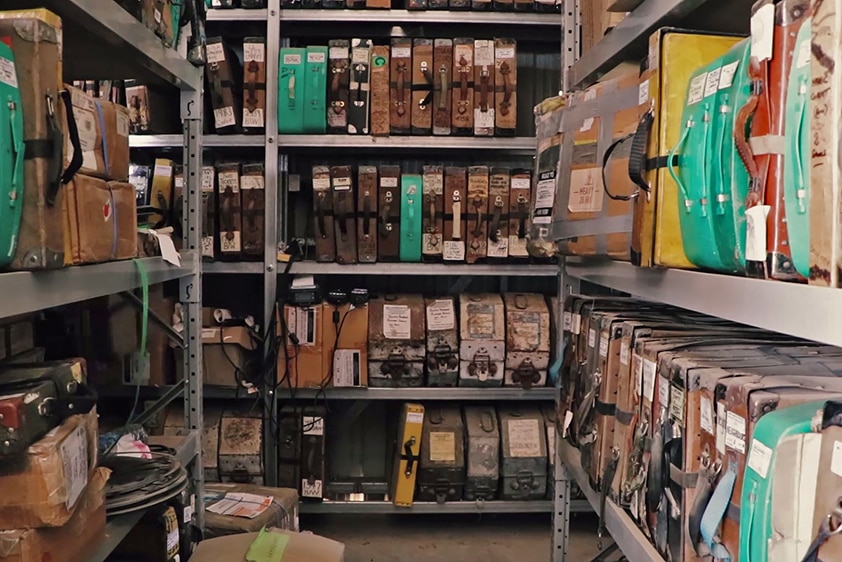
{"points": [[349, 507], [116, 529], [209, 141], [422, 16], [424, 269], [29, 291], [237, 15], [464, 394], [634, 545], [802, 311], [432, 144], [243, 267], [152, 392]]}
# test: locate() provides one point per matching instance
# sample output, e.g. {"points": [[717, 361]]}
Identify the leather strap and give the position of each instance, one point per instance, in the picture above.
{"points": [[75, 163], [605, 158], [741, 120], [367, 213], [505, 105], [607, 479], [704, 487], [624, 418], [604, 408], [655, 479], [683, 479], [637, 154], [715, 511]]}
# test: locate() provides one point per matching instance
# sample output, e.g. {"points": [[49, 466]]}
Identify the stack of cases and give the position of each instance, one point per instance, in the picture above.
{"points": [[542, 6]]}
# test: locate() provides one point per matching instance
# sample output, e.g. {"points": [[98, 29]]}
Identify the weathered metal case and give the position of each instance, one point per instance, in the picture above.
{"points": [[482, 453], [313, 453], [482, 346], [442, 342], [396, 341], [523, 459], [323, 211], [174, 425], [527, 340], [240, 447], [441, 474], [344, 224], [433, 214]]}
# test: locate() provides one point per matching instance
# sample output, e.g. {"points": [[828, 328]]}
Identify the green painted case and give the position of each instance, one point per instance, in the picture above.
{"points": [[11, 155], [411, 197], [315, 90], [291, 90]]}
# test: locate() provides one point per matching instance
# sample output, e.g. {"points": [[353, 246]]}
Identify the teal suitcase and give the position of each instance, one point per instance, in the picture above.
{"points": [[291, 91], [315, 90], [11, 155], [411, 197]]}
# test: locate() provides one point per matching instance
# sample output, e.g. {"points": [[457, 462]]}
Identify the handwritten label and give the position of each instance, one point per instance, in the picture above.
{"points": [[442, 446], [696, 89], [726, 76], [524, 438], [707, 415], [397, 322], [624, 352], [759, 458], [256, 52], [441, 315], [735, 432], [712, 82]]}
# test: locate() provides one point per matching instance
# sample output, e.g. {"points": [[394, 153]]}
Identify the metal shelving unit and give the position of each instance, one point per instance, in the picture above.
{"points": [[448, 394], [369, 507], [513, 145], [209, 141], [396, 17], [427, 269]]}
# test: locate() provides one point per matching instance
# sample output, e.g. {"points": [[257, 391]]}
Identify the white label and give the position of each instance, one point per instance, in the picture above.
{"points": [[397, 321], [454, 250], [311, 490], [224, 117], [163, 170], [603, 345], [551, 444], [342, 183], [577, 324], [712, 82], [178, 181], [587, 125], [346, 367], [251, 182], [483, 52], [505, 53], [172, 539], [759, 458], [524, 438], [762, 32], [568, 419], [256, 52], [228, 180], [836, 458], [229, 241], [360, 56], [253, 118], [707, 415], [484, 119], [756, 232], [389, 182], [726, 76], [499, 249], [697, 89], [803, 54], [292, 59], [663, 392], [74, 461], [302, 322], [338, 53], [433, 183], [442, 446], [401, 52], [208, 175], [624, 352], [122, 124], [545, 194], [591, 338], [720, 427], [643, 92], [415, 417], [586, 190], [317, 57], [313, 425], [215, 52], [638, 376], [321, 184], [237, 504], [677, 404], [521, 183], [7, 73], [86, 125], [157, 16], [649, 379], [441, 316], [207, 246], [735, 432]]}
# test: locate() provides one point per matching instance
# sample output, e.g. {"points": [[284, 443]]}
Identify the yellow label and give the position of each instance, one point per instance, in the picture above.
{"points": [[442, 446]]}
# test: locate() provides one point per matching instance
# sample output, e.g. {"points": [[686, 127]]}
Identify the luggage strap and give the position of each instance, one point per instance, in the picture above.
{"points": [[637, 155], [715, 511], [704, 487], [409, 457], [831, 525], [51, 150], [73, 130], [106, 159], [605, 158], [607, 480]]}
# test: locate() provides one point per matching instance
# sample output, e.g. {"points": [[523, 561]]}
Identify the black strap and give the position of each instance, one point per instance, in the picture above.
{"points": [[604, 408], [824, 533], [658, 162], [637, 155], [409, 457], [605, 158], [73, 130], [607, 480]]}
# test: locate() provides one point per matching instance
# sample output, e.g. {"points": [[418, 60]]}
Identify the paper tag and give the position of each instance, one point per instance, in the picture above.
{"points": [[756, 232], [172, 539], [591, 337], [551, 444], [208, 175], [643, 92], [505, 53], [586, 190], [707, 415], [521, 183], [251, 182], [229, 241], [567, 321], [316, 58], [649, 373], [441, 315], [545, 193], [207, 246], [397, 321], [677, 404], [214, 53], [321, 184], [587, 125], [302, 322], [484, 119], [762, 32], [638, 376], [122, 124], [415, 417], [483, 52], [803, 54], [568, 419], [524, 438], [726, 76], [292, 59], [342, 183], [86, 125], [313, 425], [696, 89], [759, 458], [243, 505], [74, 461], [311, 490], [257, 52], [442, 446], [433, 183], [454, 250], [712, 82], [224, 117], [7, 73], [720, 427], [389, 182], [360, 55], [663, 392], [346, 368], [836, 458], [401, 52], [168, 251], [624, 352], [577, 324], [499, 249], [253, 118], [735, 432], [157, 16], [603, 345], [338, 53]]}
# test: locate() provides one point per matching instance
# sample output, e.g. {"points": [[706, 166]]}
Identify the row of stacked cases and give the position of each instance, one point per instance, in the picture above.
{"points": [[709, 433], [460, 5]]}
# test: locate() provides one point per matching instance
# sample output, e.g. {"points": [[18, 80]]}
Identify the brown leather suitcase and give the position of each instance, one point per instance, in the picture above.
{"points": [[484, 88], [360, 87], [208, 213], [520, 202], [401, 86], [389, 213], [477, 214], [253, 197], [323, 211], [367, 214], [442, 93], [380, 105], [463, 86], [230, 210], [422, 86], [505, 87], [338, 85], [342, 189], [221, 68], [499, 185], [455, 226], [432, 220], [254, 84]]}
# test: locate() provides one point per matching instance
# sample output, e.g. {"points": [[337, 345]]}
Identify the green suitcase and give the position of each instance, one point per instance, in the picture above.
{"points": [[411, 197], [11, 155], [315, 90], [291, 91]]}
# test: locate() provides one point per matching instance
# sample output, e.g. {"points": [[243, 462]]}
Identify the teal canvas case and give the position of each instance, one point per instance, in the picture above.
{"points": [[315, 90], [411, 195], [797, 161], [291, 91], [11, 155]]}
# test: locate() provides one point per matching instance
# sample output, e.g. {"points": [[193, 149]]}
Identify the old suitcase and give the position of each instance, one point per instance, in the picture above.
{"points": [[161, 194], [442, 342], [342, 190], [442, 93], [358, 108], [208, 212], [312, 453], [827, 497], [463, 86], [499, 185], [505, 87], [289, 447], [411, 209], [291, 85], [361, 450], [484, 76], [548, 117], [306, 361], [483, 5], [523, 455], [35, 37], [315, 90], [455, 230], [520, 203], [422, 87], [407, 454], [477, 214], [482, 335], [389, 213], [367, 214], [441, 470], [254, 84], [380, 104], [221, 68], [432, 221], [253, 196], [241, 447], [212, 416], [416, 4], [482, 453], [340, 76], [502, 5], [400, 87], [281, 513], [230, 210], [396, 341], [100, 222], [323, 209], [527, 340]]}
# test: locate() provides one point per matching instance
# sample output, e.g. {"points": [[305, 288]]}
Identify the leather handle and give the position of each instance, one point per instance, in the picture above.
{"points": [[358, 91], [483, 89], [216, 90], [320, 214], [385, 225], [494, 234], [250, 212], [227, 214], [338, 106], [743, 147], [251, 85], [73, 131], [457, 215], [478, 214], [463, 85], [367, 214], [486, 417], [342, 215], [18, 152], [444, 75], [428, 76], [410, 458], [401, 88], [56, 163], [605, 159], [506, 71], [637, 155], [431, 205], [523, 214]]}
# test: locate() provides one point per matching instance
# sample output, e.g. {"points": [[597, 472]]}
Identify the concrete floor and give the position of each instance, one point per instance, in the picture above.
{"points": [[427, 538]]}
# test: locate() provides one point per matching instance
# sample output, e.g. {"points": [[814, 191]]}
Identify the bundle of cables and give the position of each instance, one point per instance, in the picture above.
{"points": [[140, 483]]}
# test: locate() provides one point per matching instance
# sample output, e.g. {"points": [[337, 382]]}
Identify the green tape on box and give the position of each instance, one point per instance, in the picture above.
{"points": [[267, 547]]}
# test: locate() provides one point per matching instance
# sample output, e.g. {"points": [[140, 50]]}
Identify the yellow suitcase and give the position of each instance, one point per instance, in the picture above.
{"points": [[407, 455]]}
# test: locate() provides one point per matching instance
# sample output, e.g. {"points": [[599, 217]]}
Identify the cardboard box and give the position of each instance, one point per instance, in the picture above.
{"points": [[226, 353], [283, 513], [298, 548], [42, 488], [103, 134], [350, 361], [308, 362], [597, 21]]}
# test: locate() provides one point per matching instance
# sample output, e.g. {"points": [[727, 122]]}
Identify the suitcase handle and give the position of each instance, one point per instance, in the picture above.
{"points": [[673, 161], [338, 68], [19, 150], [358, 78], [478, 201], [367, 213], [251, 85], [320, 214], [342, 216], [483, 417], [506, 70], [801, 189], [73, 131], [401, 89], [409, 457], [457, 215], [605, 159], [462, 105], [483, 89], [444, 87], [385, 225], [522, 216], [431, 205], [637, 155], [428, 87], [494, 229], [741, 120]]}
